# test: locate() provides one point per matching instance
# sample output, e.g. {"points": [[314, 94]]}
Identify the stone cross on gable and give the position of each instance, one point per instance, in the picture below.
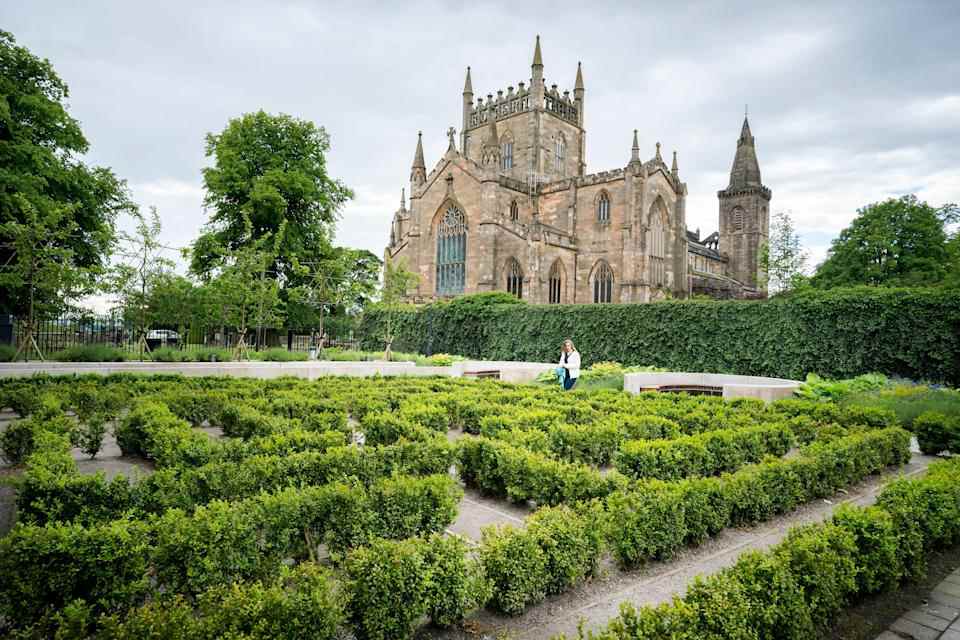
{"points": [[451, 132]]}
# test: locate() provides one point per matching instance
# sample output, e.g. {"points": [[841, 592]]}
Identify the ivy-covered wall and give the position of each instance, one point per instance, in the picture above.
{"points": [[901, 332]]}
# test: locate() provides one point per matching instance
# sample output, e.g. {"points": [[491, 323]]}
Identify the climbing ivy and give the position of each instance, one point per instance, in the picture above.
{"points": [[838, 333]]}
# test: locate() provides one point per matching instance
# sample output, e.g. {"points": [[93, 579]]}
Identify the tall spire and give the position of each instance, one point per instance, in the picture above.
{"points": [[418, 172], [468, 85], [673, 168], [537, 56], [403, 199], [745, 172], [635, 151], [578, 86]]}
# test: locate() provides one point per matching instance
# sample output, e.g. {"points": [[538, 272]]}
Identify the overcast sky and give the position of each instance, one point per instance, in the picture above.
{"points": [[850, 103]]}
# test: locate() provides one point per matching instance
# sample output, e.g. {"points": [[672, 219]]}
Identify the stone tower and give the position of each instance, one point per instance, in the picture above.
{"points": [[744, 213]]}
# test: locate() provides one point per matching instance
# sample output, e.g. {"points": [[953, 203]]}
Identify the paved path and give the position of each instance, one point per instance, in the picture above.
{"points": [[598, 600], [938, 618]]}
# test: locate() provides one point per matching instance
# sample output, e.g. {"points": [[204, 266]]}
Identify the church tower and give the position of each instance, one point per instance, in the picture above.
{"points": [[744, 213]]}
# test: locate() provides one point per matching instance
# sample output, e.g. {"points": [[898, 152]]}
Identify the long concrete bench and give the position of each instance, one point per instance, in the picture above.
{"points": [[732, 386]]}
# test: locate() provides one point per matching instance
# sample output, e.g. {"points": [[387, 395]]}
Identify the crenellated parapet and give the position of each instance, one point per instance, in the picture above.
{"points": [[513, 101]]}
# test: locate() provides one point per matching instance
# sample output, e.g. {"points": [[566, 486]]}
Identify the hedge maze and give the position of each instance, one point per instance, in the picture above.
{"points": [[287, 528]]}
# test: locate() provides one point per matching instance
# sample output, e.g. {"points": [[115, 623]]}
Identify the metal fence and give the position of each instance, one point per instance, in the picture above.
{"points": [[113, 330]]}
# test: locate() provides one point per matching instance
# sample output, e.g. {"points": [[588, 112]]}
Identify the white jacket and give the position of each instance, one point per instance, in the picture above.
{"points": [[572, 364]]}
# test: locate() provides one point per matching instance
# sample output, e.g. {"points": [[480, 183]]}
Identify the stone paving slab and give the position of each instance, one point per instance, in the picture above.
{"points": [[938, 618]]}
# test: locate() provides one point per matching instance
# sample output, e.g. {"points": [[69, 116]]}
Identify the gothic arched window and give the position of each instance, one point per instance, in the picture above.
{"points": [[514, 211], [506, 152], [657, 243], [514, 278], [451, 252], [602, 282], [603, 208], [560, 153], [556, 282]]}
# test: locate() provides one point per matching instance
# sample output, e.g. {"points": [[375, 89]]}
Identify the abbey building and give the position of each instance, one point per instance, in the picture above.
{"points": [[511, 207]]}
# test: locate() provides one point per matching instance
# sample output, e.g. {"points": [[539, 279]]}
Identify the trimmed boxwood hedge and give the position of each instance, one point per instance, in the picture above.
{"points": [[840, 333], [797, 586]]}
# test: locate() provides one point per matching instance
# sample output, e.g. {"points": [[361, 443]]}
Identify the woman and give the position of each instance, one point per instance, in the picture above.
{"points": [[570, 363]]}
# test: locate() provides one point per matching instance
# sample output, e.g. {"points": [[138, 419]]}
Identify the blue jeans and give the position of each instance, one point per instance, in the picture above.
{"points": [[568, 383]]}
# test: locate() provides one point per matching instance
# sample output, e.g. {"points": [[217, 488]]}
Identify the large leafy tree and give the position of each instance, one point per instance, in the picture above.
{"points": [[270, 170], [898, 242], [43, 180]]}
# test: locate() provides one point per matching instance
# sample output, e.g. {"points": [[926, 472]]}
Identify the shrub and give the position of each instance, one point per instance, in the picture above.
{"points": [[152, 431], [516, 566], [212, 354], [89, 353], [279, 354], [457, 584], [7, 353], [170, 354], [19, 440], [387, 585], [90, 433], [646, 522], [407, 507], [243, 421], [937, 432]]}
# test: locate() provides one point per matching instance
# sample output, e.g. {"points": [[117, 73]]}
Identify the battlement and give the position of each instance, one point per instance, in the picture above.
{"points": [[601, 177], [512, 102]]}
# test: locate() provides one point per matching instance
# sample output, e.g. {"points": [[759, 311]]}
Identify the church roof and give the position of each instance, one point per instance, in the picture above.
{"points": [[745, 172]]}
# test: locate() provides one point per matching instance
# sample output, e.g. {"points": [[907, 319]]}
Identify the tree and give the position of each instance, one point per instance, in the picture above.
{"points": [[341, 283], [42, 179], [244, 293], [40, 265], [397, 282], [783, 259], [898, 242], [269, 171], [135, 279]]}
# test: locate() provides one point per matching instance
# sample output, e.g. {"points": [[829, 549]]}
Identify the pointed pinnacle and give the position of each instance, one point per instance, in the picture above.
{"points": [[537, 57], [674, 169], [635, 152], [745, 130], [418, 162], [468, 85], [578, 86], [403, 199], [659, 157]]}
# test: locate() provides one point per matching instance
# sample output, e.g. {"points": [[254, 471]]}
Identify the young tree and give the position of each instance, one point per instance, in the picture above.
{"points": [[43, 181], [40, 265], [397, 282], [899, 242], [244, 293], [269, 171], [341, 283], [143, 267], [783, 259]]}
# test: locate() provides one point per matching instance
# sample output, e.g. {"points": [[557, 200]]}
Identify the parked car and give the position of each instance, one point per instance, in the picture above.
{"points": [[162, 338]]}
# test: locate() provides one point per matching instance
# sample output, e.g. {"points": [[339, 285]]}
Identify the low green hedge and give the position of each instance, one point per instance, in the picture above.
{"points": [[937, 432], [301, 602], [393, 584], [501, 469], [652, 519], [151, 430], [704, 454], [43, 568], [796, 587]]}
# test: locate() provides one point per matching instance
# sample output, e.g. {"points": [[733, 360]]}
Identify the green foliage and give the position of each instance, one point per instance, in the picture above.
{"points": [[6, 353], [908, 401], [937, 432], [817, 388], [89, 353], [279, 355], [151, 430], [898, 332], [516, 566], [898, 242], [271, 170], [703, 454], [56, 213], [19, 440]]}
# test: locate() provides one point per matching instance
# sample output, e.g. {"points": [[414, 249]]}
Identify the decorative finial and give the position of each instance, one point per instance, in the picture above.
{"points": [[635, 151], [537, 57], [403, 199], [673, 169], [451, 132], [659, 157], [468, 85], [578, 85], [449, 180], [745, 110]]}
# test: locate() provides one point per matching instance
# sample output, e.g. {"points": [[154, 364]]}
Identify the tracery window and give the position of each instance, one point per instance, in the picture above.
{"points": [[658, 244], [506, 153], [560, 152], [603, 208], [602, 283], [556, 282], [514, 211], [451, 252], [514, 278]]}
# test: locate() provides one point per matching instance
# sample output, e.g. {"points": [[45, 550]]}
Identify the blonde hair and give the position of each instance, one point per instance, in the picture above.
{"points": [[572, 347]]}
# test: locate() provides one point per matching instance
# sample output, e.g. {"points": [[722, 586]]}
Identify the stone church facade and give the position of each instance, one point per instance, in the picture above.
{"points": [[510, 207]]}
